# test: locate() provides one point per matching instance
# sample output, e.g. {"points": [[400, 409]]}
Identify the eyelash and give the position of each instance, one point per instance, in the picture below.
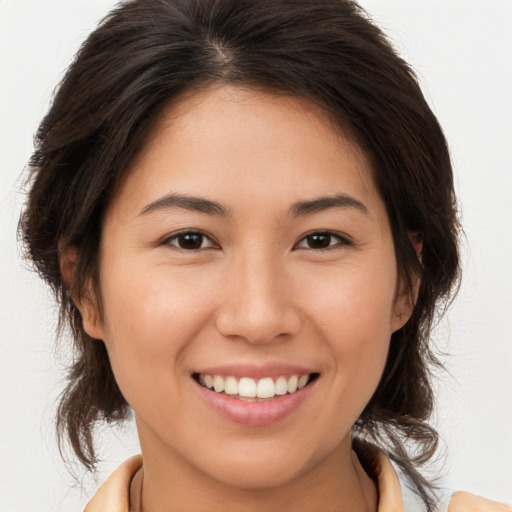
{"points": [[341, 240], [189, 233]]}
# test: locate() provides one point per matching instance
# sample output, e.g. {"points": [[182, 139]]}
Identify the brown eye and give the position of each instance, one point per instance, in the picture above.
{"points": [[321, 240], [190, 241]]}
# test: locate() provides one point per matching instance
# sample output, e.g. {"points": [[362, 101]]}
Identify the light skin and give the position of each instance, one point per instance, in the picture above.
{"points": [[290, 261]]}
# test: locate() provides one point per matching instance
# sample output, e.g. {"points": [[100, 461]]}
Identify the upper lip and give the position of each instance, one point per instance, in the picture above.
{"points": [[256, 371]]}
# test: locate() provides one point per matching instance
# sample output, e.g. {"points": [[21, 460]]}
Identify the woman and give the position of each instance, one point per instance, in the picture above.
{"points": [[247, 212]]}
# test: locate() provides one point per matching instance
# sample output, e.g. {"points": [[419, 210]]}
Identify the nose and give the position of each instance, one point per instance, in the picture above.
{"points": [[257, 303]]}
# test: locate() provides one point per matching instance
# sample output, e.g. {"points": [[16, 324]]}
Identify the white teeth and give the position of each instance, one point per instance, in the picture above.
{"points": [[281, 386], [231, 387], [303, 380], [266, 388], [208, 380], [247, 387], [293, 383], [218, 383]]}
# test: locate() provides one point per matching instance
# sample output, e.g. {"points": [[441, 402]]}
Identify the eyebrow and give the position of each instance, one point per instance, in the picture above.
{"points": [[324, 203], [299, 209], [185, 202]]}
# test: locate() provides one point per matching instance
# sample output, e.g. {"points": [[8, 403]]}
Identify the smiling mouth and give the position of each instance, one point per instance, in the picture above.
{"points": [[255, 390]]}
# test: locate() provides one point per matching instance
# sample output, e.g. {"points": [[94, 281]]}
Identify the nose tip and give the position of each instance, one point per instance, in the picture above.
{"points": [[257, 308], [256, 327]]}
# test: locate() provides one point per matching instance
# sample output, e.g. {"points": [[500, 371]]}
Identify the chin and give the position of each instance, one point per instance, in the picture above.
{"points": [[264, 467], [251, 476]]}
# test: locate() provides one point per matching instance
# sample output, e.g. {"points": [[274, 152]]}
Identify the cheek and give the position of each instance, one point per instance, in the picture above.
{"points": [[358, 302], [353, 313], [150, 318]]}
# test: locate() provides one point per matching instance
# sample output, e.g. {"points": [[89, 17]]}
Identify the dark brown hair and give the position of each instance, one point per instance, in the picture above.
{"points": [[142, 56]]}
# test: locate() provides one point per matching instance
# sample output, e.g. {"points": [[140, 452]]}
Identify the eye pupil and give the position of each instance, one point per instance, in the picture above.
{"points": [[319, 241], [190, 241]]}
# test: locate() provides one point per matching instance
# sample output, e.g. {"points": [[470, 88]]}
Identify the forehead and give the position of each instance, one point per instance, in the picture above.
{"points": [[224, 139]]}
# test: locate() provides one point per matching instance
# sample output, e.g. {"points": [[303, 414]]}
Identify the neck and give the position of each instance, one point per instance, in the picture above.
{"points": [[338, 484]]}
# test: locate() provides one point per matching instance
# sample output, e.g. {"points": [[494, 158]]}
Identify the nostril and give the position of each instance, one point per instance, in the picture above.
{"points": [[259, 328]]}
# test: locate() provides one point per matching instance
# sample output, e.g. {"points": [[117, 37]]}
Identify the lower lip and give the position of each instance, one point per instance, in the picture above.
{"points": [[255, 414]]}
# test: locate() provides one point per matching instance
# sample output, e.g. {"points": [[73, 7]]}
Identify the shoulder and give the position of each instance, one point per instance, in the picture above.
{"points": [[466, 502], [114, 494], [397, 495], [449, 501]]}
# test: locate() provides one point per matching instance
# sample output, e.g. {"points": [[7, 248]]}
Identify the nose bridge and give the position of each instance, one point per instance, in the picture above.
{"points": [[256, 303]]}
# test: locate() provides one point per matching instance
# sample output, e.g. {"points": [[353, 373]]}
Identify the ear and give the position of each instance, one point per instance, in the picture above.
{"points": [[84, 299], [406, 299]]}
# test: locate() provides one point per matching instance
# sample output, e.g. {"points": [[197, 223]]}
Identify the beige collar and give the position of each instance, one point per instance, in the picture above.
{"points": [[114, 494], [390, 494]]}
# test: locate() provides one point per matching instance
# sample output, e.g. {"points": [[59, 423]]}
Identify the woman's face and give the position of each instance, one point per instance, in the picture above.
{"points": [[248, 241]]}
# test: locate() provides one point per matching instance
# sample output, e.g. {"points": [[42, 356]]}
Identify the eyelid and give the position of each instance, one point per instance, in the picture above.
{"points": [[343, 240], [188, 231]]}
